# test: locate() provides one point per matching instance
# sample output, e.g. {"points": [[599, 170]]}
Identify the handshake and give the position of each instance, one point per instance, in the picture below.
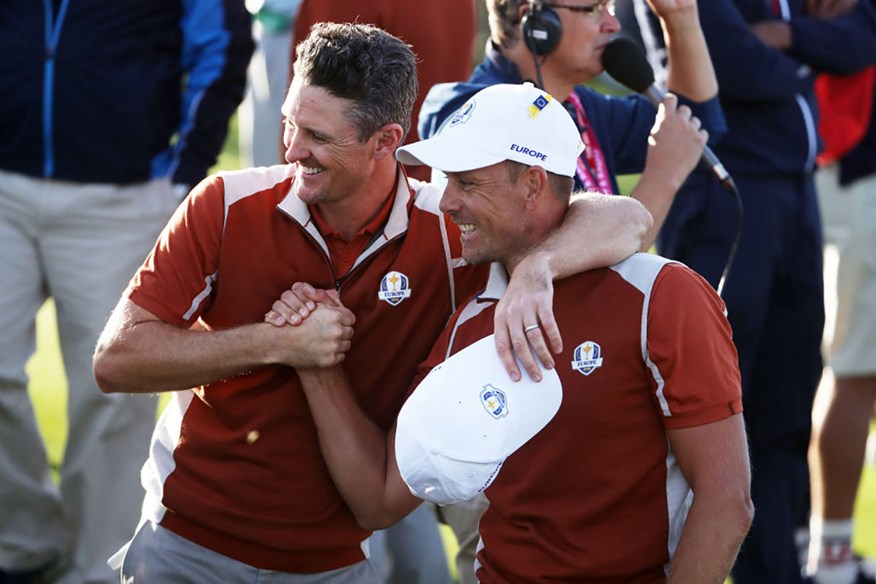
{"points": [[321, 328]]}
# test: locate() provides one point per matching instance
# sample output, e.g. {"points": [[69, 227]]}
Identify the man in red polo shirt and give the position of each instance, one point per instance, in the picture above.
{"points": [[642, 474], [236, 487]]}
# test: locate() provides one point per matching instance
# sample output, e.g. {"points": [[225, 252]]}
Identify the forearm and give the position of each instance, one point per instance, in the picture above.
{"points": [[675, 145], [689, 69], [656, 191], [154, 356], [358, 453], [712, 534], [714, 459], [597, 231], [139, 353]]}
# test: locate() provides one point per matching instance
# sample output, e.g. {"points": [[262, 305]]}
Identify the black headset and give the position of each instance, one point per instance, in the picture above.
{"points": [[541, 28]]}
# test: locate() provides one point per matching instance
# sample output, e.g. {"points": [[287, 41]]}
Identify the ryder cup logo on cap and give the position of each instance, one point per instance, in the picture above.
{"points": [[502, 122], [463, 114], [466, 417]]}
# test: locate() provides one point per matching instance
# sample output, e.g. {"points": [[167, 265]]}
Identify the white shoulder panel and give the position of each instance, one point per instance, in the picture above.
{"points": [[640, 270], [427, 196], [161, 463], [240, 184]]}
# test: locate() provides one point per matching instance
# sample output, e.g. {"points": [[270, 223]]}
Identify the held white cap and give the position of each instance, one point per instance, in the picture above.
{"points": [[502, 122], [464, 419]]}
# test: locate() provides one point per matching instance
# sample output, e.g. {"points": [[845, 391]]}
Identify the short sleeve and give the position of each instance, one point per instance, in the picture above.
{"points": [[690, 350], [177, 279]]}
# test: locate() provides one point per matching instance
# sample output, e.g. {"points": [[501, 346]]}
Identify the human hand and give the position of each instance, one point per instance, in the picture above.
{"points": [[526, 304], [676, 11], [676, 142], [321, 340], [296, 304]]}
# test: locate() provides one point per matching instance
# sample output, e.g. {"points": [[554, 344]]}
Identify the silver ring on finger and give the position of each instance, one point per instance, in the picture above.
{"points": [[531, 327]]}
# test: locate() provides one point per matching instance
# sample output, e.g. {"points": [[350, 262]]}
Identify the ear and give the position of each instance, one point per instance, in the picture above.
{"points": [[535, 183], [521, 11], [389, 137]]}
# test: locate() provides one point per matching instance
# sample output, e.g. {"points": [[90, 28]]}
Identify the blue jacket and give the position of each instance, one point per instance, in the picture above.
{"points": [[118, 91], [621, 124], [767, 94]]}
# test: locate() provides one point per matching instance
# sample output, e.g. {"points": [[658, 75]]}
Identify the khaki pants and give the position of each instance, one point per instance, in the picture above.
{"points": [[463, 519], [79, 244]]}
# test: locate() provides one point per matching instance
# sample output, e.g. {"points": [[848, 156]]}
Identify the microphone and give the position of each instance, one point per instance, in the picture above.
{"points": [[626, 63]]}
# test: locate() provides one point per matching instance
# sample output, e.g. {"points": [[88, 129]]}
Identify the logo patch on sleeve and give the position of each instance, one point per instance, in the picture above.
{"points": [[588, 358], [394, 287]]}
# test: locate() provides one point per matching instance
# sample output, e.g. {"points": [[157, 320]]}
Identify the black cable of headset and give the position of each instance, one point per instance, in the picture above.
{"points": [[731, 186]]}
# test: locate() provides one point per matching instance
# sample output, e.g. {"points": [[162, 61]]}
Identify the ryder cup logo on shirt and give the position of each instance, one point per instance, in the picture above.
{"points": [[394, 288], [588, 357], [494, 401]]}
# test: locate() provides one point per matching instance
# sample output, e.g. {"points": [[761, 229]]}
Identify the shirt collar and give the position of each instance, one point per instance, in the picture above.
{"points": [[497, 283], [369, 229]]}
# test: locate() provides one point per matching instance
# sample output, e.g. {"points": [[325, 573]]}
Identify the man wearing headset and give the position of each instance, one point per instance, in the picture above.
{"points": [[558, 45]]}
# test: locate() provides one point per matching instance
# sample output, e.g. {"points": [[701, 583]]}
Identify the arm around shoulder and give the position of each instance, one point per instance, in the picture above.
{"points": [[597, 231]]}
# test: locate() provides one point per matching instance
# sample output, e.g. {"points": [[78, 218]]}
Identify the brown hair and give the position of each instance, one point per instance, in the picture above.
{"points": [[364, 64]]}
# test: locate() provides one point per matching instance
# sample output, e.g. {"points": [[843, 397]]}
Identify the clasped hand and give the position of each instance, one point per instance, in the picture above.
{"points": [[324, 326], [319, 325]]}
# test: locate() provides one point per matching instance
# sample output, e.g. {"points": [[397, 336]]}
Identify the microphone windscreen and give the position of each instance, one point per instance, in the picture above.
{"points": [[626, 63]]}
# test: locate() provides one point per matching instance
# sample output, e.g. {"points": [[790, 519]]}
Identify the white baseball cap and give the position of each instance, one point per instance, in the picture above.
{"points": [[502, 122], [464, 419]]}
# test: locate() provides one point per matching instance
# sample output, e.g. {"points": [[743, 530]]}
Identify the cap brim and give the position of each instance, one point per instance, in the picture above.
{"points": [[446, 155]]}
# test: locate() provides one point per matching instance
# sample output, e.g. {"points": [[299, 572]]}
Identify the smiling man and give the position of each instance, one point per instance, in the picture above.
{"points": [[236, 487], [642, 475]]}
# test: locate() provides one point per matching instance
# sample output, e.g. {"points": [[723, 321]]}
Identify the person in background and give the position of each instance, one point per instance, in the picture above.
{"points": [[236, 487], [642, 474], [441, 34], [109, 112], [559, 45], [258, 117], [766, 57], [846, 182]]}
